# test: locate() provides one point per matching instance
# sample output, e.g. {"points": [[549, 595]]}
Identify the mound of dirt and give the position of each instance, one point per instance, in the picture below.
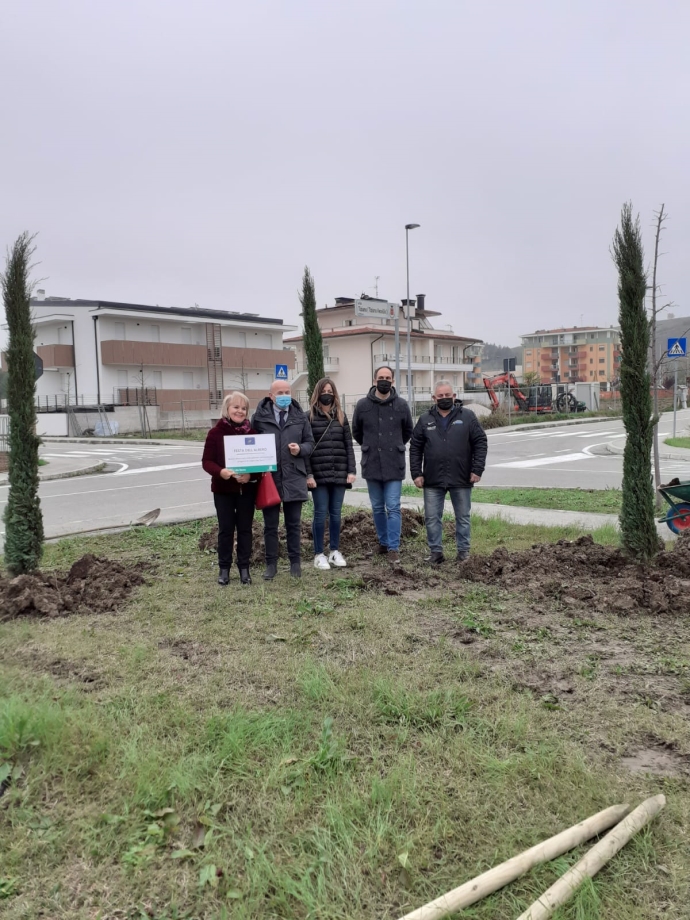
{"points": [[583, 573], [92, 585], [357, 535]]}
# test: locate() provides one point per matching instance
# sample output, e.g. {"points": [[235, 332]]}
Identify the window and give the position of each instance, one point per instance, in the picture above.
{"points": [[187, 380], [186, 335], [348, 322], [602, 348], [155, 333], [591, 347], [602, 373], [265, 341], [156, 379], [602, 360], [242, 339], [122, 378], [455, 380], [591, 360], [529, 351], [325, 349], [120, 331]]}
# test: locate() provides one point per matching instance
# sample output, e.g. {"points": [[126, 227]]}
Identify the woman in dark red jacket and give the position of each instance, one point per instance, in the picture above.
{"points": [[234, 495]]}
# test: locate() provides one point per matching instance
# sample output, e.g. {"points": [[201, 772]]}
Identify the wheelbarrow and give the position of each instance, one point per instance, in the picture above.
{"points": [[677, 496]]}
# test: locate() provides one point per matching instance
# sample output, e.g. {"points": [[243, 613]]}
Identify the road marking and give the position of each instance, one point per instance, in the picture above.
{"points": [[158, 469], [147, 485], [526, 464]]}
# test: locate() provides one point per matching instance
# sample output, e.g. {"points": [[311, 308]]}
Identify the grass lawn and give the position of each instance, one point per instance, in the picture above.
{"points": [[320, 749], [600, 501], [678, 442]]}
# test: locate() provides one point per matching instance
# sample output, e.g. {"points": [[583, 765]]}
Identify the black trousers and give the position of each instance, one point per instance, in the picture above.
{"points": [[292, 512], [235, 511]]}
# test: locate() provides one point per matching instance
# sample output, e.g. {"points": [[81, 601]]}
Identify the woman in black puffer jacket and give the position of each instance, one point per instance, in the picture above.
{"points": [[330, 469]]}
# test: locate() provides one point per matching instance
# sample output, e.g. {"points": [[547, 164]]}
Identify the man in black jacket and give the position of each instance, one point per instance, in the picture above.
{"points": [[282, 416], [382, 424], [447, 454]]}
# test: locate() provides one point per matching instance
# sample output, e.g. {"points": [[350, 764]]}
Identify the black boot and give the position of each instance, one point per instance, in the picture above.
{"points": [[223, 576], [271, 571], [296, 569], [245, 577]]}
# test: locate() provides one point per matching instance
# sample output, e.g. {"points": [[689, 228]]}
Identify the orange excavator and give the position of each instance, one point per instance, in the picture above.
{"points": [[541, 402]]}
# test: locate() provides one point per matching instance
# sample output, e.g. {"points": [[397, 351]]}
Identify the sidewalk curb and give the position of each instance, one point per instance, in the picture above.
{"points": [[562, 424], [53, 439], [618, 452], [68, 474]]}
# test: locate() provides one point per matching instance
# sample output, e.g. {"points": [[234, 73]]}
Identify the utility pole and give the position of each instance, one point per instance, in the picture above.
{"points": [[410, 397]]}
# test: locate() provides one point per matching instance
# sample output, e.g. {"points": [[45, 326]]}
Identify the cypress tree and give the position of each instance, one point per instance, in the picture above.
{"points": [[638, 528], [313, 342], [23, 519]]}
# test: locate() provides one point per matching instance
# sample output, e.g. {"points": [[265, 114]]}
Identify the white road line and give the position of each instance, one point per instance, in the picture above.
{"points": [[158, 469], [147, 485], [545, 461]]}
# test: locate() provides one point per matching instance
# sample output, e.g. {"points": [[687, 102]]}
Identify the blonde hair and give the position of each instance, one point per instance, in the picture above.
{"points": [[315, 406], [229, 398]]}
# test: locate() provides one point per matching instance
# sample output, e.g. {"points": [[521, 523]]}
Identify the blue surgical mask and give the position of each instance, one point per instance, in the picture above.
{"points": [[283, 402]]}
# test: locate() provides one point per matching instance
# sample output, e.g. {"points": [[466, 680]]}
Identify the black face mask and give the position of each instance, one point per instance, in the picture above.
{"points": [[445, 402], [326, 399], [384, 386]]}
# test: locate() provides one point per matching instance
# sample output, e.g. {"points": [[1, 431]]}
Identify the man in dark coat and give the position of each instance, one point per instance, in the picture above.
{"points": [[447, 455], [282, 416], [382, 424]]}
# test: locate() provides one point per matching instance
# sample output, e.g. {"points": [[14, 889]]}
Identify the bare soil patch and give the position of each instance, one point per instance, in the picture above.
{"points": [[92, 585], [357, 535], [583, 574], [658, 759]]}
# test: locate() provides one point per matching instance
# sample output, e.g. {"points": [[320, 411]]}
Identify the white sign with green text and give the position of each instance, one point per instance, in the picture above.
{"points": [[250, 453]]}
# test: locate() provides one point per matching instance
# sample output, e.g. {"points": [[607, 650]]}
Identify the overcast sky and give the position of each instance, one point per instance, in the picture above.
{"points": [[179, 152]]}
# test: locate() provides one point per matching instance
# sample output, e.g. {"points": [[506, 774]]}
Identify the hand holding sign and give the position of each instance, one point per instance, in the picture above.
{"points": [[255, 453]]}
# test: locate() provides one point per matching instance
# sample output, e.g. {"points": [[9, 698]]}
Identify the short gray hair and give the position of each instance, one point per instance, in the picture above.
{"points": [[443, 383]]}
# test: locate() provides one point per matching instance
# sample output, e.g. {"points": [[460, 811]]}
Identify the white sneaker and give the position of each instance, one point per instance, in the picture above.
{"points": [[320, 562], [336, 559]]}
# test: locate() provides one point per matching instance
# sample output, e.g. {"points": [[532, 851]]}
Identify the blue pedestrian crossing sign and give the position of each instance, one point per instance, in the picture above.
{"points": [[282, 369], [677, 348]]}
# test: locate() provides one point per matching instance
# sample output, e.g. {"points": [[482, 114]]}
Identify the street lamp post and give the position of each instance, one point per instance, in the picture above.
{"points": [[410, 398]]}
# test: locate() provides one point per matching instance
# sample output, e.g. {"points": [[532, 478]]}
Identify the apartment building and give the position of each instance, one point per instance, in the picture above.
{"points": [[354, 346], [101, 352], [587, 354]]}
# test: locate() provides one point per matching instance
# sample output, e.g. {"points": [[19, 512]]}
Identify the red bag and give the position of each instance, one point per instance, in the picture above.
{"points": [[267, 494]]}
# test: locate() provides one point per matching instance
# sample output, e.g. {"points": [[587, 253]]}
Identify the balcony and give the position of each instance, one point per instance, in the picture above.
{"points": [[168, 354], [56, 355], [425, 363], [329, 364], [51, 355]]}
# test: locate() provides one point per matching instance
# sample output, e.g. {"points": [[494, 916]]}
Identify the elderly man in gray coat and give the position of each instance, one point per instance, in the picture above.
{"points": [[279, 414]]}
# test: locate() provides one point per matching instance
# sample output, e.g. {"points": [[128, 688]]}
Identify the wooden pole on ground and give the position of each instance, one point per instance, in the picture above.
{"points": [[593, 860], [496, 878]]}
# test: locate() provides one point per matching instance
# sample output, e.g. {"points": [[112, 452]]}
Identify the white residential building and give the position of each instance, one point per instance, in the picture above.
{"points": [[103, 353], [353, 346]]}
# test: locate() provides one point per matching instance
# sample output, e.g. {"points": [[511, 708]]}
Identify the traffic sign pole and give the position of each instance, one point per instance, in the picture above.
{"points": [[676, 348]]}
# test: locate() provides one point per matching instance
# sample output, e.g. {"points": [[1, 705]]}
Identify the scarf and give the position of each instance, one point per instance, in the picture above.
{"points": [[244, 428]]}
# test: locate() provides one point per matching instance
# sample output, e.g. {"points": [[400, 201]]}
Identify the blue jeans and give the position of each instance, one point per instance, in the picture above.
{"points": [[385, 503], [328, 500], [434, 499]]}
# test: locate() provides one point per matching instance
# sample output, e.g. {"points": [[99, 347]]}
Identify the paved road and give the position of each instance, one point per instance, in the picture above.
{"points": [[169, 477]]}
